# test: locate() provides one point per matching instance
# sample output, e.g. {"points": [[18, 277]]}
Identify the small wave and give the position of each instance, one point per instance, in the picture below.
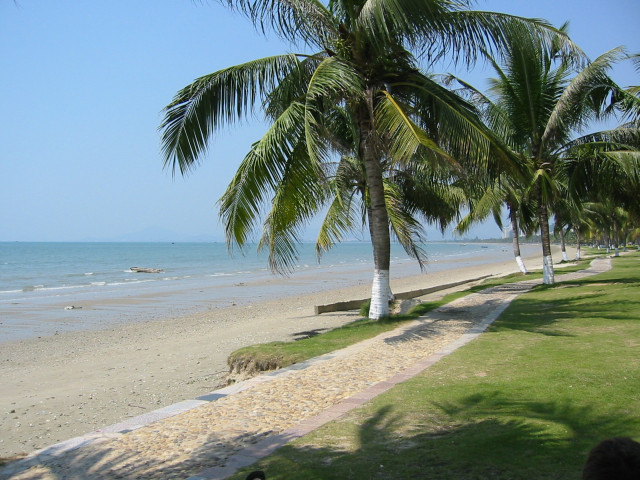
{"points": [[42, 288], [11, 291], [88, 274], [32, 288], [98, 284], [132, 282]]}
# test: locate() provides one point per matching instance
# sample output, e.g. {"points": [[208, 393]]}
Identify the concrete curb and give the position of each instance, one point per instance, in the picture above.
{"points": [[355, 304]]}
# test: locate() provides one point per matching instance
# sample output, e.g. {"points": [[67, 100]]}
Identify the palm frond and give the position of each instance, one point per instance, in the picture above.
{"points": [[460, 130], [583, 98], [406, 137], [292, 87], [298, 197], [259, 174], [406, 227], [347, 205], [448, 28], [306, 21], [213, 101], [464, 34], [332, 81], [490, 201]]}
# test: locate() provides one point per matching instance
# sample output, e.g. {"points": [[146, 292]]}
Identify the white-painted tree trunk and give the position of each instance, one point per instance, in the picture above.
{"points": [[521, 266], [380, 292], [547, 270], [565, 257], [578, 254], [616, 252]]}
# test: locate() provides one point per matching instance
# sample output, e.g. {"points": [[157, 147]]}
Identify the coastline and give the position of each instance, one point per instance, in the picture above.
{"points": [[64, 287], [60, 386]]}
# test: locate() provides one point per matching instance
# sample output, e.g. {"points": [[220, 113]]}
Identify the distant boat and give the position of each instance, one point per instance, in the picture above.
{"points": [[145, 270], [484, 246]]}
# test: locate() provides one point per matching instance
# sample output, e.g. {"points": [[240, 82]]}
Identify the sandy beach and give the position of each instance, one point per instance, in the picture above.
{"points": [[57, 387]]}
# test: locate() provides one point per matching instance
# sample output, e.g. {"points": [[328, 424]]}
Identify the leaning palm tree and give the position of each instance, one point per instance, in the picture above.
{"points": [[539, 102], [358, 90]]}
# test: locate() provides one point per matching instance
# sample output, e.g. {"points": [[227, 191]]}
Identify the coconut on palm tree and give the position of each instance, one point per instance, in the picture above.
{"points": [[359, 91]]}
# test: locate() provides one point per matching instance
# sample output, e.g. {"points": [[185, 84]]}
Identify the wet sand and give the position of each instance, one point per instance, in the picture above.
{"points": [[60, 386]]}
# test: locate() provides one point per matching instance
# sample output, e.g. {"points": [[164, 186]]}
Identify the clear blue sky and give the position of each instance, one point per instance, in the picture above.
{"points": [[83, 84]]}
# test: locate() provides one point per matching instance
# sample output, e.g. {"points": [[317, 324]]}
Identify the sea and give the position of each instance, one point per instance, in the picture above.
{"points": [[51, 288]]}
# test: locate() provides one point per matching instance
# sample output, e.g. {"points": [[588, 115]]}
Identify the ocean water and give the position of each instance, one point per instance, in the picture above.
{"points": [[54, 287]]}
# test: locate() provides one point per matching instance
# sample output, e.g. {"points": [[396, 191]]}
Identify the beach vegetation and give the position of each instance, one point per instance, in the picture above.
{"points": [[603, 174], [552, 377], [537, 103], [255, 359], [359, 128], [488, 197]]}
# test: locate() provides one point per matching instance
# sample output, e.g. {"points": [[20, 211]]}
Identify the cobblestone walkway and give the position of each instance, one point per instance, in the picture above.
{"points": [[210, 437]]}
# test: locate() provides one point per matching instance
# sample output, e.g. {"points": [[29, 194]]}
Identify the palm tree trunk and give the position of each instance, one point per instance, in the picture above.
{"points": [[578, 253], [563, 247], [516, 242], [547, 261], [378, 217], [616, 241]]}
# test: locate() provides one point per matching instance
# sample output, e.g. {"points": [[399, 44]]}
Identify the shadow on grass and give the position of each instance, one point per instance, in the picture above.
{"points": [[308, 334], [533, 440], [593, 298]]}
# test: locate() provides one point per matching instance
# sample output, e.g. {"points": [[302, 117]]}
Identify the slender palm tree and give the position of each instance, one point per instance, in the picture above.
{"points": [[488, 198], [539, 102], [362, 93]]}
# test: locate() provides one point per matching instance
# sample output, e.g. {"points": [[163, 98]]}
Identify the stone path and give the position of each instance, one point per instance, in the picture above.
{"points": [[211, 437]]}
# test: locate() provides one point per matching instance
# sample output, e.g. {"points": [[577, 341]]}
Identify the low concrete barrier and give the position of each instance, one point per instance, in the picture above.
{"points": [[355, 304]]}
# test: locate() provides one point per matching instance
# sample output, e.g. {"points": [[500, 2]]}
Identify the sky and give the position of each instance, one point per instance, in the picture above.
{"points": [[83, 87]]}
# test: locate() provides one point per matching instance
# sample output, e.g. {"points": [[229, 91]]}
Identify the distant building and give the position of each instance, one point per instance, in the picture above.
{"points": [[506, 231]]}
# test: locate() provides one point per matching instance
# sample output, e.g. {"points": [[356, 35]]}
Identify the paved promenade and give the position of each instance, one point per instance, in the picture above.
{"points": [[214, 435]]}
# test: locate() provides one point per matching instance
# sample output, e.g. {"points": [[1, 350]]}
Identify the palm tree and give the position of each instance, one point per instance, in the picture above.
{"points": [[488, 198], [360, 93], [540, 101], [415, 191], [603, 169]]}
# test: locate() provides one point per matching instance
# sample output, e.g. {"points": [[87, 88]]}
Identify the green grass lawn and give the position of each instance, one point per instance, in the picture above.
{"points": [[557, 373], [273, 355]]}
